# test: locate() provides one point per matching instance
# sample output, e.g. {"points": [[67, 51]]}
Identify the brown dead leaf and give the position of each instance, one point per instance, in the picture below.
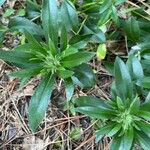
{"points": [[28, 90]]}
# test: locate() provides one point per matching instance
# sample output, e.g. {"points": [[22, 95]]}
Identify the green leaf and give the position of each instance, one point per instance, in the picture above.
{"points": [[33, 45], [123, 83], [144, 126], [21, 12], [101, 51], [117, 2], [103, 131], [127, 140], [37, 50], [114, 130], [96, 112], [21, 24], [9, 12], [146, 104], [146, 82], [75, 133], [52, 47], [109, 67], [69, 88], [115, 17], [135, 69], [144, 114], [98, 35], [132, 29], [2, 36], [143, 140], [115, 144], [50, 20], [77, 59], [20, 59], [145, 64], [84, 76], [65, 73], [31, 38], [114, 91], [23, 82], [32, 9], [105, 17], [68, 15], [119, 103], [80, 41], [39, 102], [105, 6], [135, 105], [69, 51], [63, 39], [26, 73], [84, 101], [24, 47]]}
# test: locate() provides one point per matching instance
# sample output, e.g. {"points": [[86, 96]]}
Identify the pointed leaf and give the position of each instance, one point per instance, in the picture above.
{"points": [[127, 140], [65, 73], [115, 144], [50, 20], [143, 140], [115, 17], [144, 126], [85, 101], [68, 15], [146, 104], [123, 80], [26, 73], [31, 39], [135, 69], [77, 59], [114, 130], [132, 29], [39, 102], [20, 59], [80, 41], [105, 17], [32, 9], [69, 51], [84, 76], [144, 114], [135, 105], [96, 112], [63, 39], [98, 35], [103, 131], [21, 24], [69, 88], [146, 82], [52, 47]]}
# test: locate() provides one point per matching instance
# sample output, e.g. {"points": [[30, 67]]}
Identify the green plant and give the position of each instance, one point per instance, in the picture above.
{"points": [[124, 118], [75, 133], [95, 15], [58, 56], [125, 123]]}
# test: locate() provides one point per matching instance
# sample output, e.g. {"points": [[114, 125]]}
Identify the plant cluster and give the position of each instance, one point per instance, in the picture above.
{"points": [[125, 117], [61, 37]]}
